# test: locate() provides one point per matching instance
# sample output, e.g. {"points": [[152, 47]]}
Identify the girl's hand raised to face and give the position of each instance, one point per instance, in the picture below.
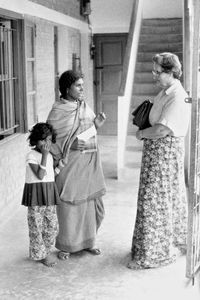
{"points": [[46, 147]]}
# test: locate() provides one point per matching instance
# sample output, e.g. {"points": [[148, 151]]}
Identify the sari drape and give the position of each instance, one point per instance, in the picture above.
{"points": [[82, 177]]}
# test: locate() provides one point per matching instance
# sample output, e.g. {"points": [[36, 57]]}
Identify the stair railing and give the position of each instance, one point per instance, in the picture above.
{"points": [[125, 95]]}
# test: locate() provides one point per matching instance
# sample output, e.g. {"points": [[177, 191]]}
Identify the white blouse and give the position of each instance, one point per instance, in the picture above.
{"points": [[170, 109], [35, 157]]}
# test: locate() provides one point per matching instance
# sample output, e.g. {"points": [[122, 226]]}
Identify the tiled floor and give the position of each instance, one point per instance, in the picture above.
{"points": [[86, 277]]}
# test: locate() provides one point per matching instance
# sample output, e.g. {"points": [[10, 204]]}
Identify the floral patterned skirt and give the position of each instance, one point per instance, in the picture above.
{"points": [[161, 220], [43, 228]]}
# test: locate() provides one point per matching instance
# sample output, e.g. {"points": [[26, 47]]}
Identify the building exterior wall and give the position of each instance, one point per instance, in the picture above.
{"points": [[12, 170], [70, 40], [68, 7], [44, 68]]}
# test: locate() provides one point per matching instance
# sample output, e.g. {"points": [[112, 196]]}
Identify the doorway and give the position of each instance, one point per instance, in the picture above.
{"points": [[110, 50]]}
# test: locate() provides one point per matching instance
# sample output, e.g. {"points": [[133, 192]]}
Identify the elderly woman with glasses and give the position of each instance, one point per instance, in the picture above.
{"points": [[161, 220]]}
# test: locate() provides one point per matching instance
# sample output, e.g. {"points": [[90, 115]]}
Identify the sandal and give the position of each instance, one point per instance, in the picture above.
{"points": [[94, 251], [134, 266], [63, 255]]}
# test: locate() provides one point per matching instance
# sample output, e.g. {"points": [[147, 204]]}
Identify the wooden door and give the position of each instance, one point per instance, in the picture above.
{"points": [[193, 247], [109, 58]]}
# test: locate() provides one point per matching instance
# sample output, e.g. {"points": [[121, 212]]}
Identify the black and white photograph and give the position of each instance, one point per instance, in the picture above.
{"points": [[99, 149]]}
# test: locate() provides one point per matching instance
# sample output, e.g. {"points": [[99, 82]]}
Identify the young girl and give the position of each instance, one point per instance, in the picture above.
{"points": [[40, 194]]}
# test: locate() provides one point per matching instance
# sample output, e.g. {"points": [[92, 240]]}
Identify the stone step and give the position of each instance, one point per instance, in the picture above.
{"points": [[145, 89], [161, 29], [161, 47], [166, 38], [144, 66], [132, 129], [147, 56], [162, 22], [143, 77]]}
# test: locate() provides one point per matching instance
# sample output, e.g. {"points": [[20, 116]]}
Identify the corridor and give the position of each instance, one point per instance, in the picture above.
{"points": [[86, 277]]}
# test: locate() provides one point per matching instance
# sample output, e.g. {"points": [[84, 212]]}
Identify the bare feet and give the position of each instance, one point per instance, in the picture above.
{"points": [[49, 261], [63, 255], [94, 251]]}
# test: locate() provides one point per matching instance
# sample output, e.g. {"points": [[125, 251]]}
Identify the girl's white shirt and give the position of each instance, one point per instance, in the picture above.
{"points": [[34, 157]]}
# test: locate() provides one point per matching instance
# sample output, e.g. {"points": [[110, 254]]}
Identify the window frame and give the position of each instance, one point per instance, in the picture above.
{"points": [[27, 60], [17, 57]]}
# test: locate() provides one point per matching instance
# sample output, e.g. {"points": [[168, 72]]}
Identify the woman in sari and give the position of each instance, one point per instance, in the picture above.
{"points": [[161, 220], [79, 175]]}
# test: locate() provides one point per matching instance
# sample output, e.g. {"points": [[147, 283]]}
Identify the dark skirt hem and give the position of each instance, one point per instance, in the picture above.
{"points": [[40, 193]]}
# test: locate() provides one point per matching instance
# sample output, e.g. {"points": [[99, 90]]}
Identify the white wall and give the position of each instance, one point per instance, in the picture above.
{"points": [[110, 16], [162, 9]]}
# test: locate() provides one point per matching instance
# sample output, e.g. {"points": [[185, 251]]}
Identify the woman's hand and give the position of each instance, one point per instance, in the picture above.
{"points": [[99, 120], [78, 145], [139, 135]]}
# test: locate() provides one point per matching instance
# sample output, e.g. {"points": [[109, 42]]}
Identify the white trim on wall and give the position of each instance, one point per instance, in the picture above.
{"points": [[24, 7]]}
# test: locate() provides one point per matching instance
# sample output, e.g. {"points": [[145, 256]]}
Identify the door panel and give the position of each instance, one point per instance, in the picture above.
{"points": [[110, 51], [110, 82]]}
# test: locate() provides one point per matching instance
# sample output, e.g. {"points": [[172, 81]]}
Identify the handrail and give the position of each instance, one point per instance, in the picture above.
{"points": [[125, 94]]}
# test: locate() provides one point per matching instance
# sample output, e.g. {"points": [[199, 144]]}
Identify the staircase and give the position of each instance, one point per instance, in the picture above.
{"points": [[157, 35]]}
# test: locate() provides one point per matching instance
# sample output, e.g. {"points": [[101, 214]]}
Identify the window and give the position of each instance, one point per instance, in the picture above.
{"points": [[9, 78]]}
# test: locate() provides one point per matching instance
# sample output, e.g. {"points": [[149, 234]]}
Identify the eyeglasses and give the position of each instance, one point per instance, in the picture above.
{"points": [[157, 73]]}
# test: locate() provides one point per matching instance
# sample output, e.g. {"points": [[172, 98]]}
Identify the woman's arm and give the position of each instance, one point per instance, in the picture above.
{"points": [[155, 132], [38, 170]]}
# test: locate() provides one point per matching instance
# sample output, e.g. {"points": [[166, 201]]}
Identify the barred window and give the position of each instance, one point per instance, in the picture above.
{"points": [[10, 114]]}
